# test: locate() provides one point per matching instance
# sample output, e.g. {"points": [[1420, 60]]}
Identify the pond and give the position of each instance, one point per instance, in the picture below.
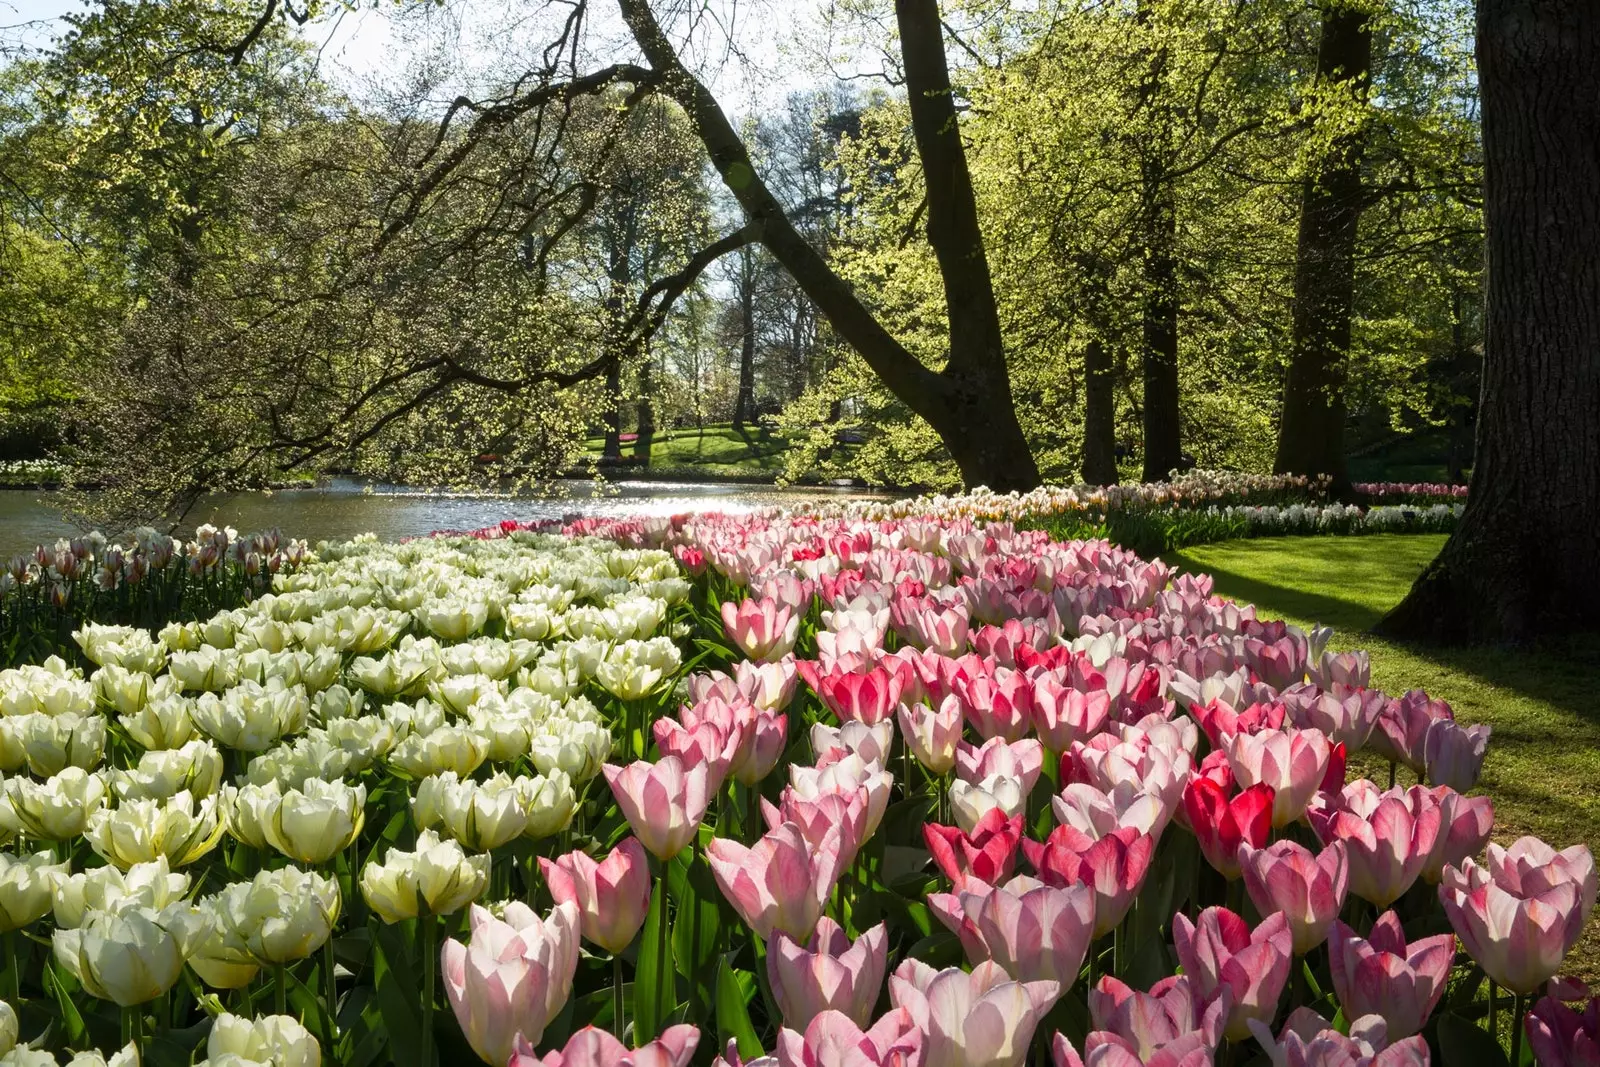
{"points": [[348, 506]]}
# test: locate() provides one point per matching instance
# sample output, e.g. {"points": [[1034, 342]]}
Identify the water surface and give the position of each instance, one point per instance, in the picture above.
{"points": [[348, 506]]}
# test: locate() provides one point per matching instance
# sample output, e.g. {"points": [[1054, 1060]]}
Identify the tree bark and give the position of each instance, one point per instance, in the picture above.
{"points": [[745, 400], [1163, 443], [646, 414], [968, 402], [1311, 426], [1099, 415], [1525, 560]]}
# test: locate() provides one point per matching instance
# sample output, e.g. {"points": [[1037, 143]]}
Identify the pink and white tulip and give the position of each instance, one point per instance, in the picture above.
{"points": [[1307, 890], [764, 629], [932, 733], [1221, 955], [828, 973], [1382, 975], [663, 801], [612, 896], [781, 884], [832, 1039], [512, 977], [592, 1047], [981, 1019]]}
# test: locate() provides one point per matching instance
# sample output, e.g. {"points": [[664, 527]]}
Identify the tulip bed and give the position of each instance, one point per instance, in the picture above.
{"points": [[793, 790], [151, 580]]}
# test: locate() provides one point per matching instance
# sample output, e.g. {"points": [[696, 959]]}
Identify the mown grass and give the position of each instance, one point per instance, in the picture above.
{"points": [[1543, 768], [714, 451]]}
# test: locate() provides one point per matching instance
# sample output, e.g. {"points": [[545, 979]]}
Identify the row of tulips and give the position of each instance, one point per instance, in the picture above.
{"points": [[1175, 772], [152, 579]]}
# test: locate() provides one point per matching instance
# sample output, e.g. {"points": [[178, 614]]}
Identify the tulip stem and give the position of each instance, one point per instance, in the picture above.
{"points": [[13, 969], [280, 990], [330, 992], [1518, 1005], [430, 966], [133, 1026], [1494, 1011], [619, 1022]]}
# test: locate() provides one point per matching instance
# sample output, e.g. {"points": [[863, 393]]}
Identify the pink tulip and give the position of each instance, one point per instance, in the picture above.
{"points": [[769, 736], [1000, 643], [713, 742], [1115, 866], [838, 813], [1021, 760], [872, 743], [1308, 891], [1342, 668], [513, 976], [780, 884], [998, 704], [1063, 715], [1402, 728], [1035, 931], [1221, 954], [1309, 1040], [832, 1039], [988, 854], [1464, 827], [981, 1019], [663, 801], [1149, 1022], [769, 686], [1105, 1049], [932, 734], [827, 974], [763, 629], [1220, 721], [1222, 825], [788, 589], [868, 697], [1292, 762], [936, 628], [1562, 1037], [1095, 814], [847, 775], [1382, 975], [1453, 754], [612, 896], [590, 1047], [1519, 923], [1110, 764], [1388, 837], [1347, 716]]}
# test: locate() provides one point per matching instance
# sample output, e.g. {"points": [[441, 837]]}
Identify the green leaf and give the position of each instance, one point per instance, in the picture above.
{"points": [[1463, 1043], [735, 989], [71, 1021], [399, 995], [695, 926], [654, 986]]}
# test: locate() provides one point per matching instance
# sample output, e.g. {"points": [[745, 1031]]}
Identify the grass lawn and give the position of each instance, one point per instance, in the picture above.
{"points": [[716, 450], [1543, 768]]}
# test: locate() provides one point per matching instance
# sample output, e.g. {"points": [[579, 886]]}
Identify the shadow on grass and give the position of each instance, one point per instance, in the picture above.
{"points": [[1274, 599]]}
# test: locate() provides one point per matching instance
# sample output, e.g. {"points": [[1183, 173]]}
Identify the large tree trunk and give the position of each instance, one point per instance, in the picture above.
{"points": [[1311, 427], [646, 413], [1525, 560], [968, 402], [1163, 445], [1099, 415]]}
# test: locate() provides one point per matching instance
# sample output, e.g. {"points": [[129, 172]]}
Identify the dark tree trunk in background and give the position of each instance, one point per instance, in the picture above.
{"points": [[646, 413], [1525, 560], [1311, 427], [745, 401], [1099, 415], [1163, 445], [968, 402]]}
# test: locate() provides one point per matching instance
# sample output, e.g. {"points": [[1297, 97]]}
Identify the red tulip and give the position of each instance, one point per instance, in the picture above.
{"points": [[1221, 825], [1115, 865], [988, 853]]}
